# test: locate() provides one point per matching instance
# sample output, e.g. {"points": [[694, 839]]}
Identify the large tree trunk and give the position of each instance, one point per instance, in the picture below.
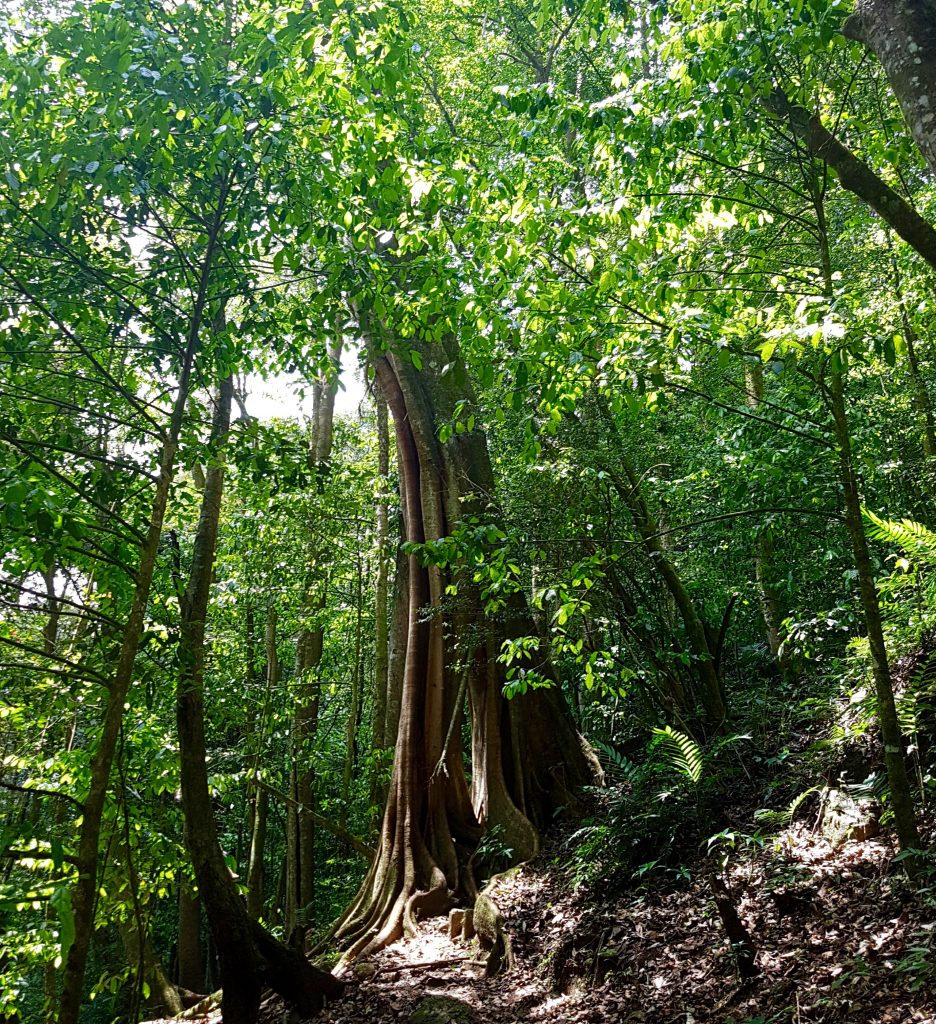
{"points": [[249, 956], [399, 634], [191, 969], [524, 755], [902, 34]]}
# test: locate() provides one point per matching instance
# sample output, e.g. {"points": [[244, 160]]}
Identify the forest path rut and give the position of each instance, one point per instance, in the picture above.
{"points": [[433, 979], [861, 950]]}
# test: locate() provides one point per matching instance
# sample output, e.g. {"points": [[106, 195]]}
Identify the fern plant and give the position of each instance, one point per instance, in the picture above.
{"points": [[781, 819], [685, 755], [914, 539], [619, 769], [913, 581], [908, 606]]}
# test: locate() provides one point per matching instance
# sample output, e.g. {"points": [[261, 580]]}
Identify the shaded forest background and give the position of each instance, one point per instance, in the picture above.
{"points": [[631, 535]]}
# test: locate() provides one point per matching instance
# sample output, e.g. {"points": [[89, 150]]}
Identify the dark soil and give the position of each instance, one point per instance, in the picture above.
{"points": [[841, 938]]}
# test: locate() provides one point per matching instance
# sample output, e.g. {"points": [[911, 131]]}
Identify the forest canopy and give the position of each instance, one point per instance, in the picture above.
{"points": [[596, 516]]}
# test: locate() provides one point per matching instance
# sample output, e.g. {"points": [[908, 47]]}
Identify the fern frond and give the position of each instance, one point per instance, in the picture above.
{"points": [[781, 819], [618, 767], [684, 753], [874, 787], [913, 539], [907, 713]]}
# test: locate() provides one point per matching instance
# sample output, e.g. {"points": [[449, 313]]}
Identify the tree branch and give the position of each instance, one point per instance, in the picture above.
{"points": [[13, 788], [358, 845], [855, 175]]}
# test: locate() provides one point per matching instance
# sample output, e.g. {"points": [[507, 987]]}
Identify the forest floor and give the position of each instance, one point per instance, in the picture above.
{"points": [[854, 945]]}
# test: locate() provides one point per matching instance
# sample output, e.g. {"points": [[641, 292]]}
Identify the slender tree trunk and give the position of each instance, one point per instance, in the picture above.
{"points": [[294, 935], [765, 568], [85, 890], [898, 781], [894, 757], [249, 956], [921, 397], [260, 797], [191, 971], [49, 644], [164, 997], [922, 403], [300, 879], [354, 711], [902, 35], [628, 488], [257, 847]]}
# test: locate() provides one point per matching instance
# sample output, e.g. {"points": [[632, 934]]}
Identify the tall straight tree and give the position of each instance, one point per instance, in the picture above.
{"points": [[249, 956]]}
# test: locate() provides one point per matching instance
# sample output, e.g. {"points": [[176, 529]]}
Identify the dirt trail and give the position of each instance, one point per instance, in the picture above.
{"points": [[849, 943]]}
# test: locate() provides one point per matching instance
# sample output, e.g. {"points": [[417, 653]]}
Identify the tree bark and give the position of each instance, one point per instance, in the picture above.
{"points": [[191, 972], [399, 634], [902, 35], [432, 823], [894, 756], [249, 956], [856, 176], [381, 586]]}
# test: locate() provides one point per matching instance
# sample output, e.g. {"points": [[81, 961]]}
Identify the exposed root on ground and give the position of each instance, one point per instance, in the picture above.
{"points": [[847, 942]]}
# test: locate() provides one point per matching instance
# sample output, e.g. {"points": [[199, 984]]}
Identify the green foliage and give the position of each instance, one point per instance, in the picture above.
{"points": [[683, 752], [655, 810], [592, 205], [782, 819]]}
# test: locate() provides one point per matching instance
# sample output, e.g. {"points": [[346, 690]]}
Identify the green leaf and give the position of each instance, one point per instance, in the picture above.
{"points": [[685, 753], [60, 901]]}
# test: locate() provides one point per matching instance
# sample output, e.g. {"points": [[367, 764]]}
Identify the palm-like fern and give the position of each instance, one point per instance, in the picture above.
{"points": [[918, 545], [914, 540], [685, 754], [619, 768], [781, 819]]}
